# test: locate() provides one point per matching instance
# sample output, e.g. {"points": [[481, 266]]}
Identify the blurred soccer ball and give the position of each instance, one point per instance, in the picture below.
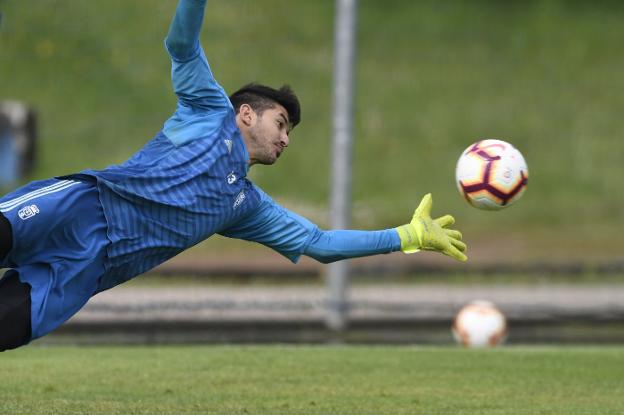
{"points": [[479, 324], [491, 174]]}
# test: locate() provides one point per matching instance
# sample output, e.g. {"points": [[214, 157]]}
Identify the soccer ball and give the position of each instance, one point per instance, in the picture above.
{"points": [[479, 324], [491, 174]]}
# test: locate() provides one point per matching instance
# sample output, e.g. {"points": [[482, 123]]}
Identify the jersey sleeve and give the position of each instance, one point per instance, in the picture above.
{"points": [[293, 235], [191, 76], [336, 245], [202, 102], [274, 226]]}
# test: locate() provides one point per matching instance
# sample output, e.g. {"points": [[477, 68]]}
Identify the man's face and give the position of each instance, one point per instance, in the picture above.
{"points": [[268, 135]]}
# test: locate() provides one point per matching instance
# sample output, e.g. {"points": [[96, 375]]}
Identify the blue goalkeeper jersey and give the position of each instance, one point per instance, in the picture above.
{"points": [[184, 185], [189, 182]]}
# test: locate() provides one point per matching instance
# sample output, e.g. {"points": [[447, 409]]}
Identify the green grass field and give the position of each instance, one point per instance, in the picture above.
{"points": [[311, 380]]}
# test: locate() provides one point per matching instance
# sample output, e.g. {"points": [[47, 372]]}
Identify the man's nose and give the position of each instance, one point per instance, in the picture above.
{"points": [[285, 140]]}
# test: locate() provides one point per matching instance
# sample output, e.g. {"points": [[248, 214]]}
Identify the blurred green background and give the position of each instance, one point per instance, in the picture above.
{"points": [[432, 77]]}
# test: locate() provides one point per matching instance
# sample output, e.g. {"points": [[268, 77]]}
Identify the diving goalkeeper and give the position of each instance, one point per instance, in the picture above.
{"points": [[68, 238]]}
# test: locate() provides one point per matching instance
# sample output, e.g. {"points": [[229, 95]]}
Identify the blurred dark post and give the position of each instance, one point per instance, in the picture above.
{"points": [[18, 132]]}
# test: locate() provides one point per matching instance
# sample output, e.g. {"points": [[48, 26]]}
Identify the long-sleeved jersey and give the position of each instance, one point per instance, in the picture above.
{"points": [[190, 181]]}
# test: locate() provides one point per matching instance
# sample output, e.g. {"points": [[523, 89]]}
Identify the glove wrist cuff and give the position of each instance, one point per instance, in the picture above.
{"points": [[410, 242]]}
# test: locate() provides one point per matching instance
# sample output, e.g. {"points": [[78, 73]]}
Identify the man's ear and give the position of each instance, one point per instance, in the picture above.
{"points": [[247, 115]]}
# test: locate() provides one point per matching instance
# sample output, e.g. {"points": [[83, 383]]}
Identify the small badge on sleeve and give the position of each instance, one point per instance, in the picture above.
{"points": [[28, 212]]}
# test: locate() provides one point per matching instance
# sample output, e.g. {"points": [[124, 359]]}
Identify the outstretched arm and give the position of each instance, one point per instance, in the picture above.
{"points": [[293, 236], [331, 246], [183, 38]]}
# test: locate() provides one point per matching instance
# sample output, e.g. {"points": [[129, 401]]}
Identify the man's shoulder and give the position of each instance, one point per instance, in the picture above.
{"points": [[188, 123]]}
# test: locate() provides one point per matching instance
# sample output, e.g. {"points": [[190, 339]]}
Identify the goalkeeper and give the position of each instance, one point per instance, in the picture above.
{"points": [[69, 238]]}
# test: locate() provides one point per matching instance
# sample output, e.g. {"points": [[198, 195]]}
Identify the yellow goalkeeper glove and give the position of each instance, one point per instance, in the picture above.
{"points": [[431, 234]]}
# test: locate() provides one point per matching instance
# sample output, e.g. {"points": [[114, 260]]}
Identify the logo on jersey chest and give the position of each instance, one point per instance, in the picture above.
{"points": [[28, 212], [239, 199], [231, 178]]}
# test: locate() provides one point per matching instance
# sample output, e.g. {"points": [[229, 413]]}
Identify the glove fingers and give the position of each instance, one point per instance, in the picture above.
{"points": [[453, 233], [455, 253], [458, 244], [424, 208], [445, 221]]}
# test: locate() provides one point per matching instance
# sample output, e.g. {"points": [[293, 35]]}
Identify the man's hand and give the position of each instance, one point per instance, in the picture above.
{"points": [[431, 234]]}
